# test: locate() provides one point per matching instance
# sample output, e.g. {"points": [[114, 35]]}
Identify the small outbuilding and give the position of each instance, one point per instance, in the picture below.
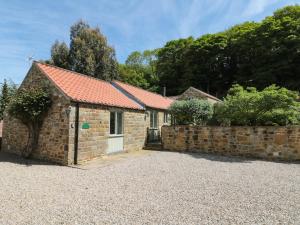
{"points": [[88, 118], [192, 92]]}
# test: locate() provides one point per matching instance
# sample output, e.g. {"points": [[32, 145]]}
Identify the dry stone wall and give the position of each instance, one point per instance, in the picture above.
{"points": [[260, 142]]}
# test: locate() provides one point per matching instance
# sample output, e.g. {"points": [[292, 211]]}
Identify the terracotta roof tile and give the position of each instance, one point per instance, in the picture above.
{"points": [[82, 88], [150, 99]]}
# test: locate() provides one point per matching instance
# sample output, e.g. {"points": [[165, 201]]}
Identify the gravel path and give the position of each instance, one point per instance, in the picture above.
{"points": [[153, 188]]}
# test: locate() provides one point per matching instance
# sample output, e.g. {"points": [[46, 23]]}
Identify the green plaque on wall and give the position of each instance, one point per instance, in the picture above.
{"points": [[85, 126]]}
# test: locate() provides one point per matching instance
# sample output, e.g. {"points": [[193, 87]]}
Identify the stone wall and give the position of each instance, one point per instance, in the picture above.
{"points": [[260, 142], [56, 141], [93, 142], [195, 93], [53, 140], [135, 130]]}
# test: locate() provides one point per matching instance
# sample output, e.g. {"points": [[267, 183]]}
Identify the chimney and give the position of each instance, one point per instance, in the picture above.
{"points": [[164, 91]]}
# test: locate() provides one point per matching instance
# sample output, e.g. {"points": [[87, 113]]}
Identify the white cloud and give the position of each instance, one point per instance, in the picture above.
{"points": [[198, 13], [255, 7]]}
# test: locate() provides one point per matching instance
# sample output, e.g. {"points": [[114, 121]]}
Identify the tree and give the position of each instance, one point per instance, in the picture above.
{"points": [[30, 107], [60, 54], [133, 76], [89, 53], [7, 92], [140, 70], [271, 106], [194, 111], [251, 54], [171, 65]]}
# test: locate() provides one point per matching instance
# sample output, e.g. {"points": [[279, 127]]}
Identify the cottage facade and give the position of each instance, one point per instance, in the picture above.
{"points": [[88, 118]]}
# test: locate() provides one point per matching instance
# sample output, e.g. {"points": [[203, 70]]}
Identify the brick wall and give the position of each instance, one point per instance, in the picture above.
{"points": [[261, 142]]}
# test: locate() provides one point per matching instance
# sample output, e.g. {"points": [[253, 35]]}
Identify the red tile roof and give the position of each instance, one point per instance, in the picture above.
{"points": [[148, 98], [82, 88]]}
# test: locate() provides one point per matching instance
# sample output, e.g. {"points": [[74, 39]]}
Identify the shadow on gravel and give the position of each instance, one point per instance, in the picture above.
{"points": [[12, 158], [220, 158], [230, 159], [234, 159]]}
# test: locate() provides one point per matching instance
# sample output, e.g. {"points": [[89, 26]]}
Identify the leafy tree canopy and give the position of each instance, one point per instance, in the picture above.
{"points": [[251, 54], [271, 106], [140, 70], [7, 91], [89, 53]]}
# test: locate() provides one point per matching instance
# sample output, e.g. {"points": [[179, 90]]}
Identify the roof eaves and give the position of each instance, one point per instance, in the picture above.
{"points": [[127, 94], [104, 104], [136, 98], [52, 81], [206, 94]]}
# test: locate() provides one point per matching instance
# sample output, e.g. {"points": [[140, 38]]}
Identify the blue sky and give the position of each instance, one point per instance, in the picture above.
{"points": [[30, 27]]}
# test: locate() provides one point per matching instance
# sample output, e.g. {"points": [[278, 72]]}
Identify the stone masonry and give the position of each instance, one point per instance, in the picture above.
{"points": [[56, 140], [92, 142], [260, 142], [53, 140]]}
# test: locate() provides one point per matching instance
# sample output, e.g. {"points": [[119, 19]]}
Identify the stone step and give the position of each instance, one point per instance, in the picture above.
{"points": [[153, 146]]}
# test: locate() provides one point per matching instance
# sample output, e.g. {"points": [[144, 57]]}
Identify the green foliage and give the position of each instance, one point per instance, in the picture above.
{"points": [[171, 66], [60, 54], [8, 89], [251, 54], [133, 76], [30, 107], [89, 53], [192, 111], [271, 106], [140, 70]]}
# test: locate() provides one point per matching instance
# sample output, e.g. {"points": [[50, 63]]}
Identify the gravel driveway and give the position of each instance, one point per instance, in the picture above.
{"points": [[151, 188]]}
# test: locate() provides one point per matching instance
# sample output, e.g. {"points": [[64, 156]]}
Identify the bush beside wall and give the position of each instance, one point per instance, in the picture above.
{"points": [[259, 142]]}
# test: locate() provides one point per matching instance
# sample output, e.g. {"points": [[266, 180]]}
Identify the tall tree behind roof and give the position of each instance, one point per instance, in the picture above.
{"points": [[89, 53]]}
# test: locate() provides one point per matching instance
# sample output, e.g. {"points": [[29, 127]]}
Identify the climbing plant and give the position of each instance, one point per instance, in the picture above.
{"points": [[30, 107]]}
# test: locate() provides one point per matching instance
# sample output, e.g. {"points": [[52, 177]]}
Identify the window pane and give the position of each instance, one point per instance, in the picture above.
{"points": [[112, 123], [155, 120], [151, 119], [120, 123], [165, 117]]}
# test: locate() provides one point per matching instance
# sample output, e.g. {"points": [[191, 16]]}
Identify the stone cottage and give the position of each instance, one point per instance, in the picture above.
{"points": [[88, 118], [192, 92]]}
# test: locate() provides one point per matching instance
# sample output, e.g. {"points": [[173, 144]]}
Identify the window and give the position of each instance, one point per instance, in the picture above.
{"points": [[116, 123], [153, 119], [166, 117]]}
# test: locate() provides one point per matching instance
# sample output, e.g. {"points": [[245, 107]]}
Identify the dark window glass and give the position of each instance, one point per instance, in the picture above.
{"points": [[119, 123], [112, 123], [116, 123]]}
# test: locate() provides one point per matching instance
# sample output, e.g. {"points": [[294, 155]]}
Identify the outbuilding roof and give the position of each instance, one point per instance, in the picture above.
{"points": [[148, 98], [82, 88]]}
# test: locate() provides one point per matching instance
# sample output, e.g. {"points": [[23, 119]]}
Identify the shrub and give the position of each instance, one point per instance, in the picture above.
{"points": [[30, 107], [192, 111], [271, 106]]}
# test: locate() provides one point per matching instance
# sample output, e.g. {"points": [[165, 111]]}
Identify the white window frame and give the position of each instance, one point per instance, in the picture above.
{"points": [[116, 123]]}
